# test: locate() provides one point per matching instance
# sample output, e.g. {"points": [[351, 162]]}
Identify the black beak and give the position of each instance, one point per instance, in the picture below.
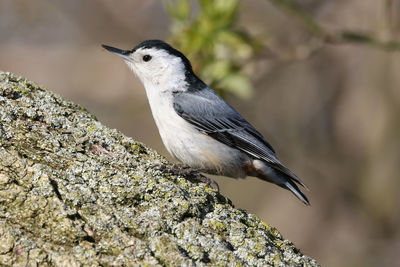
{"points": [[119, 52]]}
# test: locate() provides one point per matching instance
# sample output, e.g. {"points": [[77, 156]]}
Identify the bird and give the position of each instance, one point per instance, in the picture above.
{"points": [[196, 125]]}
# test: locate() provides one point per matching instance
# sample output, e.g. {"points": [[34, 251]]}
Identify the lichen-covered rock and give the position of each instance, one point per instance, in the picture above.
{"points": [[74, 192]]}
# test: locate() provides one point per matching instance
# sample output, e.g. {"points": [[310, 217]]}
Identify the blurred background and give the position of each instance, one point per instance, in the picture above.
{"points": [[319, 79]]}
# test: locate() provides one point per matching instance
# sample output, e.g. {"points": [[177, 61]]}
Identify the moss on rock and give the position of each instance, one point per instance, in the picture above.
{"points": [[74, 192]]}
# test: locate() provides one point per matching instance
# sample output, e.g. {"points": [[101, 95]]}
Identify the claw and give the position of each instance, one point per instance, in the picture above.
{"points": [[184, 170], [208, 181]]}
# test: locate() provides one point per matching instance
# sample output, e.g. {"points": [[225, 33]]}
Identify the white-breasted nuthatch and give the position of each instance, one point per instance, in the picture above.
{"points": [[196, 125]]}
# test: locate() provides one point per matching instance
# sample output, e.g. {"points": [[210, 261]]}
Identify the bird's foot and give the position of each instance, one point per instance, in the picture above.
{"points": [[208, 181], [192, 174]]}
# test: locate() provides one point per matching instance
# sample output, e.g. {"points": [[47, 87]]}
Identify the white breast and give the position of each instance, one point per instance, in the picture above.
{"points": [[187, 144]]}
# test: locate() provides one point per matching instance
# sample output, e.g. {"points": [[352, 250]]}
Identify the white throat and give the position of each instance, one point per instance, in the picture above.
{"points": [[160, 85]]}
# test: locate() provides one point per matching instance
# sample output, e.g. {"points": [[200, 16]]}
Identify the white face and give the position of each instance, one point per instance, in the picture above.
{"points": [[157, 68]]}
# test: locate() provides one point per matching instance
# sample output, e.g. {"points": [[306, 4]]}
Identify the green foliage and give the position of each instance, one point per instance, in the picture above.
{"points": [[216, 48]]}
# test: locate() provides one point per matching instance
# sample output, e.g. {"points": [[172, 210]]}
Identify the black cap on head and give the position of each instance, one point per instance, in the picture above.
{"points": [[158, 44]]}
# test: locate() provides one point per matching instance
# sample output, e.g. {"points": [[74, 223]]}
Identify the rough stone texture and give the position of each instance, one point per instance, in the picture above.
{"points": [[74, 192]]}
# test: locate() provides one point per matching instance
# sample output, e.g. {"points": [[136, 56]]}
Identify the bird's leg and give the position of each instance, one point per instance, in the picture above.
{"points": [[178, 169], [189, 173]]}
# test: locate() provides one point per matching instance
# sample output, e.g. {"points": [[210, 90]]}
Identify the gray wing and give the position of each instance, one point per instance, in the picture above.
{"points": [[210, 114]]}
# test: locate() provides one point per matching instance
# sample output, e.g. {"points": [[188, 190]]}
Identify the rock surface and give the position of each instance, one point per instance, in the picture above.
{"points": [[74, 192]]}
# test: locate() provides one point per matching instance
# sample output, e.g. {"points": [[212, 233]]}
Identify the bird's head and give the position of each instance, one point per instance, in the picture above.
{"points": [[157, 64]]}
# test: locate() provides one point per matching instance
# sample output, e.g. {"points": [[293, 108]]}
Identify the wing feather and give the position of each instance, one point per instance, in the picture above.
{"points": [[210, 114]]}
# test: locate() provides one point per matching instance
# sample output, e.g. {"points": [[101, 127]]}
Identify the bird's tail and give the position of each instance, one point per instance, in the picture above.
{"points": [[269, 174], [290, 185]]}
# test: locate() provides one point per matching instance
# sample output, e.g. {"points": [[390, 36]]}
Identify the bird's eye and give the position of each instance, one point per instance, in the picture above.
{"points": [[146, 58]]}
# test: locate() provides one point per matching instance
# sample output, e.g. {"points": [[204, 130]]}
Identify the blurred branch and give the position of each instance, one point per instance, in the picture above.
{"points": [[294, 9], [338, 37], [362, 38]]}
